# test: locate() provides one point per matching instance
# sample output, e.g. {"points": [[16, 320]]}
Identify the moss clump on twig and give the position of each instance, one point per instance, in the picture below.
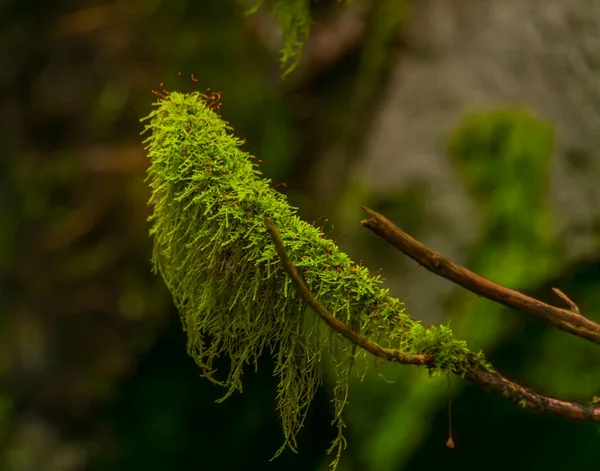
{"points": [[214, 252]]}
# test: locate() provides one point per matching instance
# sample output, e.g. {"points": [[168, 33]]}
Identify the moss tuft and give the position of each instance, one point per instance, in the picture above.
{"points": [[295, 20], [216, 257]]}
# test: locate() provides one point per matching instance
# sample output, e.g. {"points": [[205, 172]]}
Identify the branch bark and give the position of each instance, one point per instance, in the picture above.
{"points": [[488, 381], [330, 320], [568, 321]]}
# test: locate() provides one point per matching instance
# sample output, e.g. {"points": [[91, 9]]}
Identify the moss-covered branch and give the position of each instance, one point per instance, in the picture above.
{"points": [[216, 255], [337, 325], [485, 379]]}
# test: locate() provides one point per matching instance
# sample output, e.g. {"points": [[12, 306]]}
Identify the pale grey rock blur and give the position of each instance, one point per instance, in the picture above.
{"points": [[486, 54]]}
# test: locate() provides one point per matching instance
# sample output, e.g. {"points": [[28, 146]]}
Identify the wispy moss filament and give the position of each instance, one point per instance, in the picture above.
{"points": [[213, 250]]}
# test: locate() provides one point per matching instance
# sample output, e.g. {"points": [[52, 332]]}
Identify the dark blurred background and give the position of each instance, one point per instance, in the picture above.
{"points": [[473, 124]]}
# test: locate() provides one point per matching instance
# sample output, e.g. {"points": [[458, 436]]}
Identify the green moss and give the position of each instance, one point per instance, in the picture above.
{"points": [[218, 260], [295, 20]]}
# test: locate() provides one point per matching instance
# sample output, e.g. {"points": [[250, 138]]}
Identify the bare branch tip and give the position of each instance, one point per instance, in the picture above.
{"points": [[370, 212], [574, 308]]}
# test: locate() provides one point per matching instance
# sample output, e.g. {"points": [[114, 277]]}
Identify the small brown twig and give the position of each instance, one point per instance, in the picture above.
{"points": [[486, 380], [563, 296], [569, 321]]}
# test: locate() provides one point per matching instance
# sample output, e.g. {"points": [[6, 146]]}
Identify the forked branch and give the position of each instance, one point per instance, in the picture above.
{"points": [[568, 320], [489, 381]]}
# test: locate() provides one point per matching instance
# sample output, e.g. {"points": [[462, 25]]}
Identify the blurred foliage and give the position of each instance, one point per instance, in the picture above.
{"points": [[503, 158], [294, 17], [92, 359], [78, 303]]}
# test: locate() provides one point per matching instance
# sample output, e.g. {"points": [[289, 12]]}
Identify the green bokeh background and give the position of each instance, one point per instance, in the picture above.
{"points": [[92, 358]]}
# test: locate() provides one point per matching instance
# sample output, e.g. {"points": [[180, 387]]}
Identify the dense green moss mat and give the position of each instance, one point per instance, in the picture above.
{"points": [[213, 250]]}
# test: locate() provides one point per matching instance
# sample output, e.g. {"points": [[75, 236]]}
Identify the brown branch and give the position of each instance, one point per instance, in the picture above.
{"points": [[530, 399], [565, 298], [336, 324], [569, 321], [488, 381]]}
